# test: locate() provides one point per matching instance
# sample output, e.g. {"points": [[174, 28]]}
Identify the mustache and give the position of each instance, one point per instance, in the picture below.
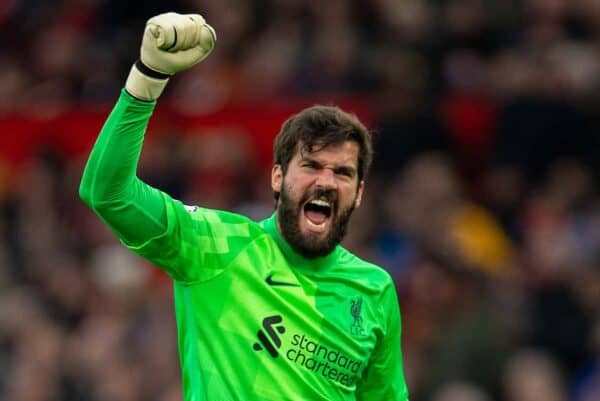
{"points": [[326, 194]]}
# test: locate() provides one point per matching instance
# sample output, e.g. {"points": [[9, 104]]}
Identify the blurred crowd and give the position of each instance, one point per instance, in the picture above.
{"points": [[483, 201]]}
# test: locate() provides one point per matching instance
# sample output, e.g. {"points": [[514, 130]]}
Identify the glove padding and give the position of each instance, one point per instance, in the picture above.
{"points": [[175, 42], [172, 43]]}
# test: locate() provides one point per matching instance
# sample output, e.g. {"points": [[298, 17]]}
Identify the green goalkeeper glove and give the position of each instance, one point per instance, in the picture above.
{"points": [[172, 43]]}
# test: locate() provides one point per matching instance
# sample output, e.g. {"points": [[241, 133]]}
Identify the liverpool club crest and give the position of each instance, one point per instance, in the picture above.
{"points": [[357, 328]]}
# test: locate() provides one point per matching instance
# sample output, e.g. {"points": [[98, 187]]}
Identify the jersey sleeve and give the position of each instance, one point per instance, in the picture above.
{"points": [[383, 379], [190, 244], [110, 187], [198, 243]]}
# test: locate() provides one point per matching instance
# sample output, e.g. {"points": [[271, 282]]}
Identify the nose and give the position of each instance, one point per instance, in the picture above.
{"points": [[326, 179]]}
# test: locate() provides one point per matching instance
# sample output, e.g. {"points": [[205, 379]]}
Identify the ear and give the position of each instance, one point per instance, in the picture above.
{"points": [[359, 193], [276, 178]]}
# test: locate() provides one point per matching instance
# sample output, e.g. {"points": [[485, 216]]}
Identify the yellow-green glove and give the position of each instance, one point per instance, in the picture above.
{"points": [[172, 43]]}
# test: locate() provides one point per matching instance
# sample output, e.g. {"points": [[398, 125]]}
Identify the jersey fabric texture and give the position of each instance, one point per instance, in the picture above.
{"points": [[255, 320]]}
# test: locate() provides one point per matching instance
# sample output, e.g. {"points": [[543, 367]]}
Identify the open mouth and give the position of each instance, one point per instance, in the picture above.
{"points": [[318, 213]]}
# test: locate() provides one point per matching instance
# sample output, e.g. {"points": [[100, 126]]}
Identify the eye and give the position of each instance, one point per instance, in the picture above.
{"points": [[310, 165], [345, 172]]}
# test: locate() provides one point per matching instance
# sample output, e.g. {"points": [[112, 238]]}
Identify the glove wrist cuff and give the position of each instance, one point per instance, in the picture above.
{"points": [[144, 69], [144, 86]]}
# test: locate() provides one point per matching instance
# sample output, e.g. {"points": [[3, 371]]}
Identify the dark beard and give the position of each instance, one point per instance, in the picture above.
{"points": [[309, 246]]}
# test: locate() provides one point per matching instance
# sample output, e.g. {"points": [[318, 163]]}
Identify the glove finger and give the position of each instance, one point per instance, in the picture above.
{"points": [[162, 29], [199, 23], [174, 32], [197, 18], [188, 32], [208, 41]]}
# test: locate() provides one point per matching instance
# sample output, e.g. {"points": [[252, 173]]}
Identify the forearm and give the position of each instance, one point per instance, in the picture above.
{"points": [[110, 187]]}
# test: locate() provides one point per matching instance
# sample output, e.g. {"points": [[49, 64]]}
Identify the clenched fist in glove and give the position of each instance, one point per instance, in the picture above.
{"points": [[172, 43]]}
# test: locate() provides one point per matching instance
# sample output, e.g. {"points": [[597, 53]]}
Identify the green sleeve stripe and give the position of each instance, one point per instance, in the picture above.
{"points": [[213, 245], [210, 221]]}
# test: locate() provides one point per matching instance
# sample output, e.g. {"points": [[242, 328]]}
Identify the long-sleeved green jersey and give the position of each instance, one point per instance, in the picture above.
{"points": [[256, 321]]}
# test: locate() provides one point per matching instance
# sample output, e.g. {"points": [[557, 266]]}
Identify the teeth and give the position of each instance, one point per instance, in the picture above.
{"points": [[320, 202]]}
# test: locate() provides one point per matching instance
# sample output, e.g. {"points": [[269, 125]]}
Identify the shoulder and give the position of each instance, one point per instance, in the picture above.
{"points": [[374, 284], [370, 275], [221, 221]]}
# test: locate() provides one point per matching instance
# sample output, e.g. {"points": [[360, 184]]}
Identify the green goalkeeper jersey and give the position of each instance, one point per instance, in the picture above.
{"points": [[256, 321]]}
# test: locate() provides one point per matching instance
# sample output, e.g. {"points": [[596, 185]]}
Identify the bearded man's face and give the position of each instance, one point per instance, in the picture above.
{"points": [[318, 194]]}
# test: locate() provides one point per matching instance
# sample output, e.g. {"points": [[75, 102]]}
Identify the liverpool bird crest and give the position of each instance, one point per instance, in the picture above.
{"points": [[356, 311]]}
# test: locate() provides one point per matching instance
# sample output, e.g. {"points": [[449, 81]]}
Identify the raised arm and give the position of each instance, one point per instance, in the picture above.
{"points": [[134, 210]]}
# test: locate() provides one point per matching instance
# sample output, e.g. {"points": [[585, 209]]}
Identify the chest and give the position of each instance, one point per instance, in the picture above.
{"points": [[320, 328], [329, 311]]}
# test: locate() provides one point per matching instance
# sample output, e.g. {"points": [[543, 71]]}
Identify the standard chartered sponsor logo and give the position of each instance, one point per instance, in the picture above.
{"points": [[301, 350], [328, 362]]}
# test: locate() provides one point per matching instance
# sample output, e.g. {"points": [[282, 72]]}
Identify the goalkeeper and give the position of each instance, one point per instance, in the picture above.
{"points": [[274, 310]]}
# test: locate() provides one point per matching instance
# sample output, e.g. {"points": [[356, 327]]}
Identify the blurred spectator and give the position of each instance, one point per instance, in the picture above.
{"points": [[483, 202], [429, 204], [531, 376], [461, 392]]}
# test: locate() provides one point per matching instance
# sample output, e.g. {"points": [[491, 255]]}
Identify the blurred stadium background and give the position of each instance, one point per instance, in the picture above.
{"points": [[483, 202]]}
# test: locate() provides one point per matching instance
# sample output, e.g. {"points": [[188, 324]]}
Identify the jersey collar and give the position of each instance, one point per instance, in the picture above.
{"points": [[297, 260]]}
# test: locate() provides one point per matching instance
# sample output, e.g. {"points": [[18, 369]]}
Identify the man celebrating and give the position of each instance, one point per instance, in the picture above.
{"points": [[268, 311]]}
